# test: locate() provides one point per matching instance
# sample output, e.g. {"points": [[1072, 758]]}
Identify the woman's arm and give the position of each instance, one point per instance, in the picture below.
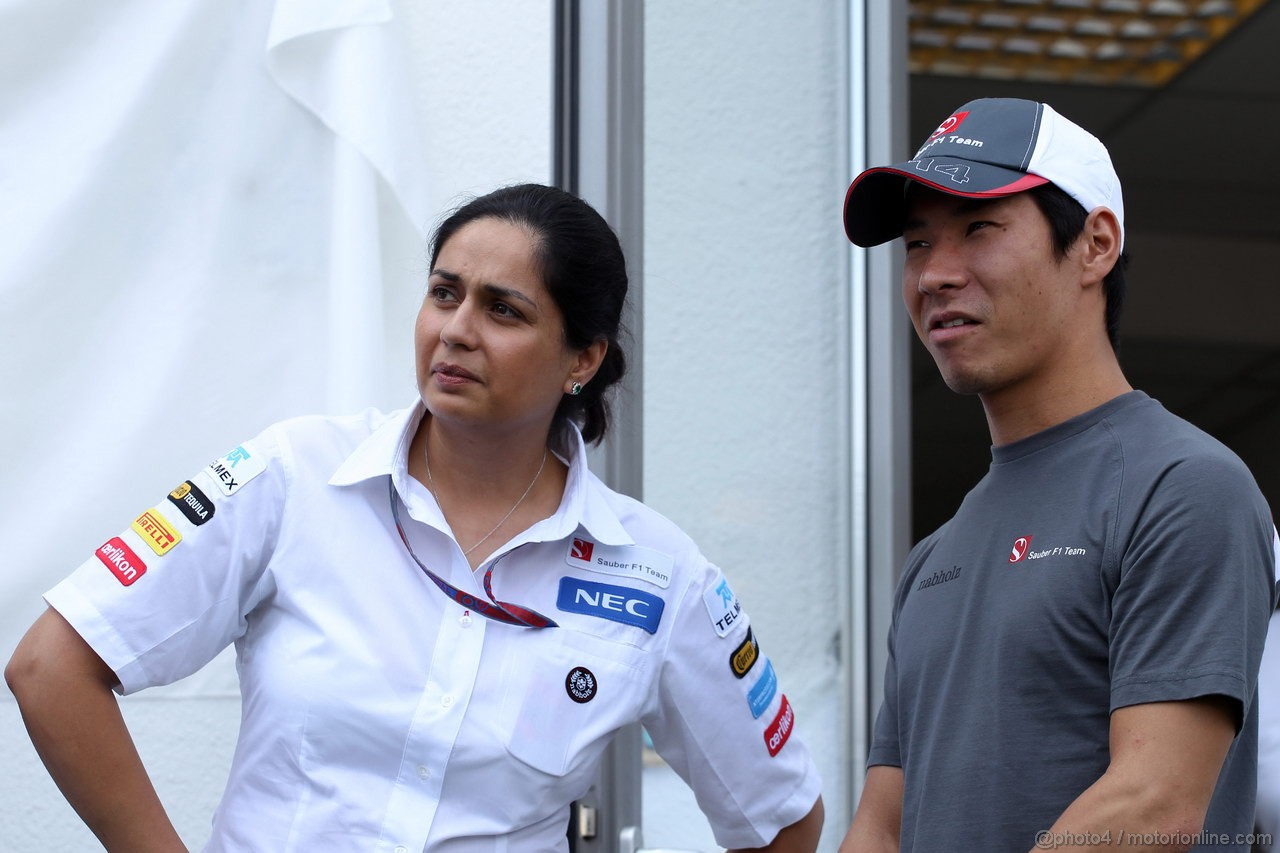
{"points": [[799, 837], [64, 691]]}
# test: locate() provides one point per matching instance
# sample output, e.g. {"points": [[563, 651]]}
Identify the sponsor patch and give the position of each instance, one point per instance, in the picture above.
{"points": [[775, 737], [722, 606], [120, 559], [615, 603], [580, 684], [192, 503], [1021, 546], [628, 561], [156, 531], [744, 656], [765, 688], [235, 469]]}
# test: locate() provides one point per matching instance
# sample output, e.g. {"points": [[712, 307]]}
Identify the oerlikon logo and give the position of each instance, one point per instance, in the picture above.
{"points": [[950, 125], [1021, 546]]}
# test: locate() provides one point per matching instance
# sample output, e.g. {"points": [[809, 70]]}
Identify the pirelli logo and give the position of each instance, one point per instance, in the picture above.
{"points": [[156, 532], [744, 656]]}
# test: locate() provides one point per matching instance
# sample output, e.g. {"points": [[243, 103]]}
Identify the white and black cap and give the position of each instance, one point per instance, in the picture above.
{"points": [[988, 148]]}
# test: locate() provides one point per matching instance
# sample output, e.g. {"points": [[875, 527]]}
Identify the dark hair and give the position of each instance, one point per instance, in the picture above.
{"points": [[582, 268], [1066, 222]]}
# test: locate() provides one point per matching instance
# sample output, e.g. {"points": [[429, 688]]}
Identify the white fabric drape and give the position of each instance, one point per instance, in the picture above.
{"points": [[196, 198]]}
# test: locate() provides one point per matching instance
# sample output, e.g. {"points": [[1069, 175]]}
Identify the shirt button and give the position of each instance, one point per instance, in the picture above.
{"points": [[423, 772], [402, 849], [465, 620], [446, 700]]}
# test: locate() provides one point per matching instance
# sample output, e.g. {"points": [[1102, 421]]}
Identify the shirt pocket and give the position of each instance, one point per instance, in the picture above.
{"points": [[562, 711]]}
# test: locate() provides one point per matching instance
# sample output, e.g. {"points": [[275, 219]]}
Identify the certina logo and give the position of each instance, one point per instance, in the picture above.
{"points": [[950, 125], [156, 532], [940, 577], [745, 655], [120, 559], [1021, 546], [192, 503], [775, 737], [615, 603], [582, 549]]}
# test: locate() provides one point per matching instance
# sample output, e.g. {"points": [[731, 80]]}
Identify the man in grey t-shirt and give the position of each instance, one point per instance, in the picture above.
{"points": [[1073, 656]]}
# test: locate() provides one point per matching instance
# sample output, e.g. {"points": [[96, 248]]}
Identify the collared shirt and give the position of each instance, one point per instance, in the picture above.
{"points": [[380, 714]]}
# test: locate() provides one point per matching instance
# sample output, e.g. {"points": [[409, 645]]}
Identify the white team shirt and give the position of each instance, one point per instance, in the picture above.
{"points": [[378, 713]]}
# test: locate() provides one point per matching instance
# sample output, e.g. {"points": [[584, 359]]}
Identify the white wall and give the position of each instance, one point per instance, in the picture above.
{"points": [[483, 78], [742, 261]]}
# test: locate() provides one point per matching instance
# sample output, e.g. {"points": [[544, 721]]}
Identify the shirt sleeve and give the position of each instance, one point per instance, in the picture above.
{"points": [[1195, 589], [721, 719], [161, 598]]}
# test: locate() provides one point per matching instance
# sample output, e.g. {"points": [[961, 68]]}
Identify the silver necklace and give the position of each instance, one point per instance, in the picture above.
{"points": [[431, 480]]}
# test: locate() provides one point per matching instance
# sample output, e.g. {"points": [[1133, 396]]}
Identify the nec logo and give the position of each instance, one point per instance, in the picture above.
{"points": [[950, 125], [582, 549], [1021, 546], [615, 603]]}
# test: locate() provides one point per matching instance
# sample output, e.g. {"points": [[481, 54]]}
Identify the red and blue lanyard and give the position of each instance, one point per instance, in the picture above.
{"points": [[498, 611]]}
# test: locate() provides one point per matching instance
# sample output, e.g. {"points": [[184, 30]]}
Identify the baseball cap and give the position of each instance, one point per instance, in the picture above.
{"points": [[988, 148]]}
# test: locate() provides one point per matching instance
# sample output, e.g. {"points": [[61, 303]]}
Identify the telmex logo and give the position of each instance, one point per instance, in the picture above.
{"points": [[775, 737], [1021, 546], [950, 125], [120, 559]]}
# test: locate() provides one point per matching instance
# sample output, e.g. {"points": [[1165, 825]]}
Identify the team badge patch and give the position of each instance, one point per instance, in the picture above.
{"points": [[722, 606], [775, 737], [744, 656], [156, 531], [235, 469], [120, 559], [580, 684], [627, 561], [763, 691], [192, 503], [615, 603]]}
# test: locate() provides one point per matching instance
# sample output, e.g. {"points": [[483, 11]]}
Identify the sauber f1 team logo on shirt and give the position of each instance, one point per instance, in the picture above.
{"points": [[156, 531], [581, 550], [235, 469], [120, 559], [628, 561], [1021, 546], [779, 731]]}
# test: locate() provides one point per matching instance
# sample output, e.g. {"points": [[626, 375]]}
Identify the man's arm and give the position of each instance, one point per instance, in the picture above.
{"points": [[799, 837], [877, 823], [64, 691], [1165, 761]]}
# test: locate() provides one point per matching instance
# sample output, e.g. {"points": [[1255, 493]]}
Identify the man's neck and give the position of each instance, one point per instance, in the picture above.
{"points": [[1016, 413]]}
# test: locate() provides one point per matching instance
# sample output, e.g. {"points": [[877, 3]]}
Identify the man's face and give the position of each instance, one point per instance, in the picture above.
{"points": [[989, 300]]}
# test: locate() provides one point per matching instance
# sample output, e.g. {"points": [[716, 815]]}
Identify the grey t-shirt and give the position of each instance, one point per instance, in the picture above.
{"points": [[1119, 558]]}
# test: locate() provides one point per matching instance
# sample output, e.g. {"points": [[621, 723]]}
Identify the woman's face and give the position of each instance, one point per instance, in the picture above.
{"points": [[490, 342]]}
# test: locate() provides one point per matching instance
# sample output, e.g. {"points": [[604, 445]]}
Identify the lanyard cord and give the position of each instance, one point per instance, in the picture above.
{"points": [[498, 611]]}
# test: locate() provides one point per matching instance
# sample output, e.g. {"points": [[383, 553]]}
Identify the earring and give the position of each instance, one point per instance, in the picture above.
{"points": [[575, 389]]}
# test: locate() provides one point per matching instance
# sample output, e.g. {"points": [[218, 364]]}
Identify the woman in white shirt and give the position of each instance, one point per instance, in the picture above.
{"points": [[441, 616]]}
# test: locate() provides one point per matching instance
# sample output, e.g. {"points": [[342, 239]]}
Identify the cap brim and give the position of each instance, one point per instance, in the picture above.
{"points": [[876, 204]]}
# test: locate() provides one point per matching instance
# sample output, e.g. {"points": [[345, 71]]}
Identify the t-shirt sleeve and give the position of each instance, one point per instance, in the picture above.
{"points": [[721, 718], [1195, 589], [885, 748], [161, 598]]}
